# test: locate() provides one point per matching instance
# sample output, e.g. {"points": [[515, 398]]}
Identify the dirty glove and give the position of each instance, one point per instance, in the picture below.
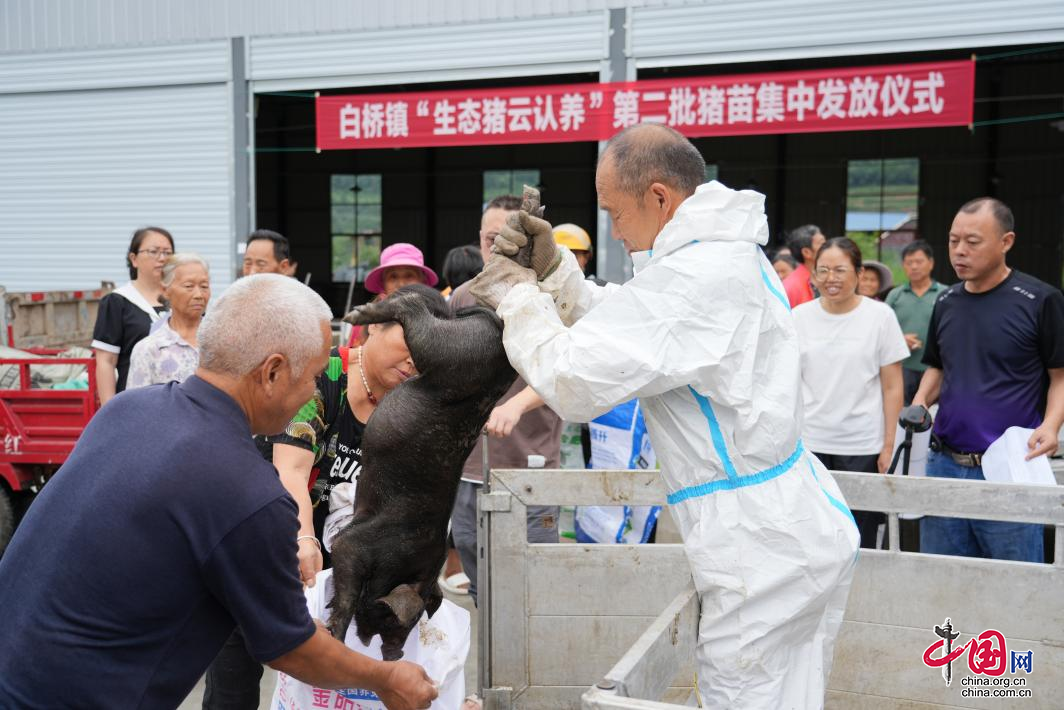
{"points": [[521, 227], [499, 275]]}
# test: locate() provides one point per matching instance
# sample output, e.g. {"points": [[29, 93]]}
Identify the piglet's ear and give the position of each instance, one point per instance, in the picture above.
{"points": [[406, 604]]}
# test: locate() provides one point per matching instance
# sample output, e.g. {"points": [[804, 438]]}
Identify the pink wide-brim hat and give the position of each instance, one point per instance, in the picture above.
{"points": [[401, 254]]}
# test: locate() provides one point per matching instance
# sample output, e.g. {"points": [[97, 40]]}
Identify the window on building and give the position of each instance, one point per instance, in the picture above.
{"points": [[882, 206], [355, 202], [711, 172], [507, 182]]}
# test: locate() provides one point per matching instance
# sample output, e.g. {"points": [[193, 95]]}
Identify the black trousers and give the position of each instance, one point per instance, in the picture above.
{"points": [[911, 380], [232, 681], [867, 522]]}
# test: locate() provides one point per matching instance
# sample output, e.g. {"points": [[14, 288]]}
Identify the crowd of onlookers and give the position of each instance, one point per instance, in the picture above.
{"points": [[989, 350]]}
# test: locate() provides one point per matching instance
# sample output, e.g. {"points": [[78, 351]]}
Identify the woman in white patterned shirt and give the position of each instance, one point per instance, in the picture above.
{"points": [[170, 354]]}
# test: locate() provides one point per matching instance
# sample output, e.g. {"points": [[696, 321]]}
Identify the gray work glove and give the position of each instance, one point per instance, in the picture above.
{"points": [[520, 228], [500, 274]]}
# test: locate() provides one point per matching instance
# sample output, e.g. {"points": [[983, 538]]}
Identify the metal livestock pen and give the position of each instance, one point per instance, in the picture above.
{"points": [[614, 626]]}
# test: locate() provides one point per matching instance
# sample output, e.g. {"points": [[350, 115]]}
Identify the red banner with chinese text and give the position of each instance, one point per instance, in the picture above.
{"points": [[849, 99]]}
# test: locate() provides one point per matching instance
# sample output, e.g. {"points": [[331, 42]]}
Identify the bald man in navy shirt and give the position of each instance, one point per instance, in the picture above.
{"points": [[995, 356]]}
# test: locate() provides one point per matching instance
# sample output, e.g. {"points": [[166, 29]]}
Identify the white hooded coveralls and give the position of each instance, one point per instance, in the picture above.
{"points": [[703, 335]]}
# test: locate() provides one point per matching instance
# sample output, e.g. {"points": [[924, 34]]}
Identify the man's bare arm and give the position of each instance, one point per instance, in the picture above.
{"points": [[930, 386], [324, 662]]}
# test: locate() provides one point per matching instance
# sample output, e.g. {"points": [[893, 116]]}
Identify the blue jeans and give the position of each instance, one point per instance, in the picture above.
{"points": [[976, 538]]}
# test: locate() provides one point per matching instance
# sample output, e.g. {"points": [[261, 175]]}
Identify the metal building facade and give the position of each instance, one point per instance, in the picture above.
{"points": [[43, 25], [552, 45], [767, 30], [119, 113], [98, 143]]}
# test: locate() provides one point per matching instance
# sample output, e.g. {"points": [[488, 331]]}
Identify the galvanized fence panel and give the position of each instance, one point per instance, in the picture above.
{"points": [[566, 621]]}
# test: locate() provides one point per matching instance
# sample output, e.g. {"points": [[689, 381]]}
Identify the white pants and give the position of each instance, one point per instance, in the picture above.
{"points": [[773, 564]]}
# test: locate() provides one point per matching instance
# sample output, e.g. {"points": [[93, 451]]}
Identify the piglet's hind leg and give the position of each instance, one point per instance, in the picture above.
{"points": [[349, 575]]}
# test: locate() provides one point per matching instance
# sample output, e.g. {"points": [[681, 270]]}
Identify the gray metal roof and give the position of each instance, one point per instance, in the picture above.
{"points": [[49, 25]]}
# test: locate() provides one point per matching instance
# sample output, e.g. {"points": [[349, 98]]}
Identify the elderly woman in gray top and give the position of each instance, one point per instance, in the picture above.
{"points": [[170, 354]]}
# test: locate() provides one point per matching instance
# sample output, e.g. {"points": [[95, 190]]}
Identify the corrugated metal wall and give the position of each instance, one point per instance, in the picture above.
{"points": [[550, 45], [203, 62], [43, 25], [763, 30], [83, 168], [711, 31]]}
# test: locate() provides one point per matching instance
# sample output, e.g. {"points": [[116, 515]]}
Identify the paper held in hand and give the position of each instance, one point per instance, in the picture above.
{"points": [[1004, 461]]}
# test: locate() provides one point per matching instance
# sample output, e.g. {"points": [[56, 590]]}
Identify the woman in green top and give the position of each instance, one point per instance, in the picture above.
{"points": [[322, 445]]}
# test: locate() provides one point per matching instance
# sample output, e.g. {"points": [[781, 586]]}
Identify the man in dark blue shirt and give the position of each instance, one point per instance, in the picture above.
{"points": [[995, 356], [166, 528]]}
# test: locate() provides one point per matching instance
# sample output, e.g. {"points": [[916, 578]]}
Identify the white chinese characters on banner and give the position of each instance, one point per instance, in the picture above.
{"points": [[682, 106], [543, 114], [832, 94], [395, 121], [374, 120], [519, 110], [710, 106], [469, 120], [770, 105], [801, 98], [571, 112], [688, 106], [772, 101], [493, 116], [498, 116], [863, 94], [894, 96], [444, 118], [925, 93], [625, 108], [741, 103], [350, 127]]}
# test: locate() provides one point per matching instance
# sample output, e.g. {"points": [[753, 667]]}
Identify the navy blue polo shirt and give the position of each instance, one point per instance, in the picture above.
{"points": [[994, 349], [163, 530]]}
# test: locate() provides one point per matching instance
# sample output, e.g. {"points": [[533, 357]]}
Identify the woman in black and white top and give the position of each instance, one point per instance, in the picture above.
{"points": [[126, 315]]}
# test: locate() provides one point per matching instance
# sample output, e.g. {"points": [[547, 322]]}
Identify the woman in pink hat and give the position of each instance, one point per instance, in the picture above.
{"points": [[401, 264]]}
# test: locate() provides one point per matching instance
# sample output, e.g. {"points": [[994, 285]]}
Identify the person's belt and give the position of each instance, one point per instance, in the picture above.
{"points": [[962, 458]]}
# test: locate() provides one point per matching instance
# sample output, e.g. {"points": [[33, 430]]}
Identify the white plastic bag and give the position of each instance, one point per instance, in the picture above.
{"points": [[619, 439], [440, 645], [1005, 460]]}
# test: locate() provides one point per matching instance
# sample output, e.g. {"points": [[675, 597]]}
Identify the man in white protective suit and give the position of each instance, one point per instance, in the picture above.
{"points": [[703, 335]]}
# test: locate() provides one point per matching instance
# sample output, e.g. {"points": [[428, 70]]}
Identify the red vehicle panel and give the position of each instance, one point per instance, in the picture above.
{"points": [[39, 427]]}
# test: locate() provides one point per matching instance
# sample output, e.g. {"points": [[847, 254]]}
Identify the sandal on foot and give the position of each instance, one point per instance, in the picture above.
{"points": [[455, 584]]}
